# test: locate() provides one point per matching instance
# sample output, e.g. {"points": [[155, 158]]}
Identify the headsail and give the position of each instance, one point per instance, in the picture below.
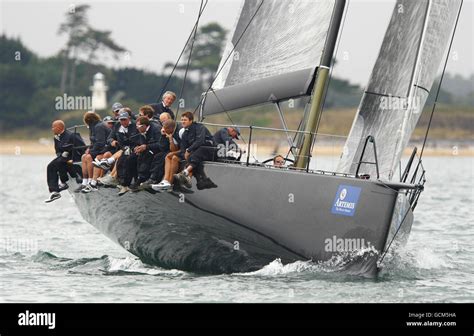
{"points": [[411, 53], [280, 46]]}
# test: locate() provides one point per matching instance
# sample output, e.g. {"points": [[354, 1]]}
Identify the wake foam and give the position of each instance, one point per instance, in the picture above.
{"points": [[105, 265], [406, 263], [350, 263], [413, 263], [131, 265]]}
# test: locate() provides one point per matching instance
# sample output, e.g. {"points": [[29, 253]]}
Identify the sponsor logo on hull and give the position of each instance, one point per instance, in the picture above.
{"points": [[345, 202]]}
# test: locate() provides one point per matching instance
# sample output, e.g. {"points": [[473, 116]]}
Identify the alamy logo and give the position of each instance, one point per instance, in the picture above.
{"points": [[66, 102], [335, 244], [346, 199], [37, 319]]}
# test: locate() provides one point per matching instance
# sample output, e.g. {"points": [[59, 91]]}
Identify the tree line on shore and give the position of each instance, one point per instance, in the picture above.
{"points": [[30, 84]]}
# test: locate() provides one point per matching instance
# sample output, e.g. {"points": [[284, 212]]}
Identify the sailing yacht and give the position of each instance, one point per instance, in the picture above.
{"points": [[280, 51]]}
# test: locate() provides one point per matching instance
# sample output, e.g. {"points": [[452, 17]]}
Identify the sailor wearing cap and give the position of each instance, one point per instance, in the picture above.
{"points": [[123, 139], [227, 147], [227, 135], [109, 122], [115, 109]]}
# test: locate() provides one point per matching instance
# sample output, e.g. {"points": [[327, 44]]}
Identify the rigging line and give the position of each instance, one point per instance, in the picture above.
{"points": [[301, 121], [228, 116], [300, 128], [440, 81], [241, 137], [189, 59], [182, 52], [232, 121], [330, 75], [399, 226], [294, 140], [230, 54], [218, 100], [285, 126], [396, 232], [401, 223]]}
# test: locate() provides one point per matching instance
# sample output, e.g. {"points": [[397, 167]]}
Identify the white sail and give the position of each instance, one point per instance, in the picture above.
{"points": [[272, 54], [412, 50]]}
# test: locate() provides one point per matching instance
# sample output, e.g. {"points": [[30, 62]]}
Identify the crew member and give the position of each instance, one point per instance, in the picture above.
{"points": [[116, 109], [279, 161], [147, 111], [197, 145], [65, 143], [109, 122], [98, 133], [165, 105], [123, 135], [148, 146], [226, 146], [168, 142]]}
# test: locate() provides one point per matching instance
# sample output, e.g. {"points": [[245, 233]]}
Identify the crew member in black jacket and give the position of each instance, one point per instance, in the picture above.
{"points": [[226, 136], [149, 145], [197, 145], [165, 105], [119, 138], [168, 142], [227, 147], [64, 145], [124, 137], [147, 111], [116, 109], [98, 134]]}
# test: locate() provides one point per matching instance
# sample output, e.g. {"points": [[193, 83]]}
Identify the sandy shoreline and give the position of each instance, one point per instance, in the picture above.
{"points": [[44, 147]]}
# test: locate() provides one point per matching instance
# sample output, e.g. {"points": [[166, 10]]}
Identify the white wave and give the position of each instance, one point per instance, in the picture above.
{"points": [[428, 259], [413, 262], [276, 267], [134, 265], [336, 263]]}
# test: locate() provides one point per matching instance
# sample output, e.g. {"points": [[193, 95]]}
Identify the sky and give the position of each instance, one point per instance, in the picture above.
{"points": [[155, 31]]}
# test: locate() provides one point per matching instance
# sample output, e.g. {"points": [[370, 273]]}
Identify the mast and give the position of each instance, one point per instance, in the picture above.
{"points": [[322, 77]]}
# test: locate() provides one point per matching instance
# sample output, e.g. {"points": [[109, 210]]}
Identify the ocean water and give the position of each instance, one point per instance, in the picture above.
{"points": [[48, 253]]}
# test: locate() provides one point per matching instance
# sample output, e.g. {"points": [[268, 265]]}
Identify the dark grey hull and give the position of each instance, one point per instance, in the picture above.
{"points": [[254, 216]]}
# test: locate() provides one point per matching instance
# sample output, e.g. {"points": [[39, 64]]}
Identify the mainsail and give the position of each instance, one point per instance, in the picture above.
{"points": [[272, 55], [411, 53]]}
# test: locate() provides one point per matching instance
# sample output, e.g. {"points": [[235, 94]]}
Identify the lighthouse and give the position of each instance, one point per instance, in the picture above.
{"points": [[99, 92]]}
